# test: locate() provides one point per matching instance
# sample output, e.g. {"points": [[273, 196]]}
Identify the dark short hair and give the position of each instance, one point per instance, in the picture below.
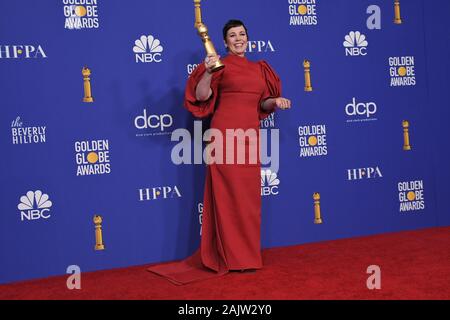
{"points": [[231, 24]]}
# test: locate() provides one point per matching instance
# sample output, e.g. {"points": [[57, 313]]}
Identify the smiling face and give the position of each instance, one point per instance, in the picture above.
{"points": [[236, 40]]}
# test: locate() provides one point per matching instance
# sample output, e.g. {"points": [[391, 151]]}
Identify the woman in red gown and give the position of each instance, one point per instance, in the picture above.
{"points": [[237, 97]]}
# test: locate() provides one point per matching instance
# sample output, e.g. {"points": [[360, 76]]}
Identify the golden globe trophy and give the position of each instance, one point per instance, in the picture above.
{"points": [[98, 233], [203, 33], [87, 85], [307, 66], [406, 145], [317, 217], [397, 18]]}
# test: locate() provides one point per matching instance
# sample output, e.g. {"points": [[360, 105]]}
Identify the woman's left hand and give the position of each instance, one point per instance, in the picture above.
{"points": [[282, 103]]}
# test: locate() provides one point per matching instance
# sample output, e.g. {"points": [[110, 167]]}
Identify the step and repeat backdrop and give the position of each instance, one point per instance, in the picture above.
{"points": [[92, 91]]}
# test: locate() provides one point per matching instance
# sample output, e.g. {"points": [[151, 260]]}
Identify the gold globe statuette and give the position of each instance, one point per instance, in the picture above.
{"points": [[307, 67], [203, 33], [98, 233], [397, 18], [406, 145], [86, 72], [317, 217]]}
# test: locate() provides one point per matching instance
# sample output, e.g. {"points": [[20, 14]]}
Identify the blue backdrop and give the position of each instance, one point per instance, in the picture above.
{"points": [[65, 160]]}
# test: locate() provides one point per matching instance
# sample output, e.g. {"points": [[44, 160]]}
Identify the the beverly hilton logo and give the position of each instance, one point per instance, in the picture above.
{"points": [[34, 205], [26, 135], [80, 14], [92, 157], [410, 195], [402, 72], [302, 12], [147, 49]]}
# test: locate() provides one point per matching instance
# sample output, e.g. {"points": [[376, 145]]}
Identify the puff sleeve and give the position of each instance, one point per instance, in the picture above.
{"points": [[201, 109], [272, 88]]}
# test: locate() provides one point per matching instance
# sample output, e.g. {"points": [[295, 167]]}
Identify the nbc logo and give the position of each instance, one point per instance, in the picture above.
{"points": [[147, 49], [34, 205], [269, 182], [355, 44], [410, 196]]}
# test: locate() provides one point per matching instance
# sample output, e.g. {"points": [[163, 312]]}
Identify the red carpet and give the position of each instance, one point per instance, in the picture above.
{"points": [[414, 265]]}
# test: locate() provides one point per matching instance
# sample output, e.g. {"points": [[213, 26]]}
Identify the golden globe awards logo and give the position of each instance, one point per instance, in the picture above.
{"points": [[410, 196], [80, 14], [27, 135], [190, 67], [92, 157], [302, 12], [401, 70], [313, 140]]}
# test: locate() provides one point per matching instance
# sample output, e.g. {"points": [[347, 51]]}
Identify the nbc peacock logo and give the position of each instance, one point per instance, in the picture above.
{"points": [[269, 182], [355, 44], [34, 205], [148, 49]]}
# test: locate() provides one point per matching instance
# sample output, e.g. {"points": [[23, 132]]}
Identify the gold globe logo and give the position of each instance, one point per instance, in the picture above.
{"points": [[92, 157], [411, 196], [312, 140], [80, 11], [302, 9], [402, 71]]}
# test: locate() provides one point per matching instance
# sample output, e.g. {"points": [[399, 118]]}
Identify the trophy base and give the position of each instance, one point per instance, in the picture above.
{"points": [[99, 247], [219, 66], [308, 89], [398, 21], [406, 148], [318, 221]]}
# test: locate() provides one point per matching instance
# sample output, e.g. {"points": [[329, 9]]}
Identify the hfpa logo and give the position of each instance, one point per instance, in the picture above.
{"points": [[260, 46]]}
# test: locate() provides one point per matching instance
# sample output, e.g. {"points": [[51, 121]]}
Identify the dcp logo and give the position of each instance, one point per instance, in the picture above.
{"points": [[360, 109], [153, 121]]}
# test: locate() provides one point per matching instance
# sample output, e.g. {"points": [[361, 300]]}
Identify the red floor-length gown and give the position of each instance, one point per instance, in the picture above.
{"points": [[232, 196]]}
